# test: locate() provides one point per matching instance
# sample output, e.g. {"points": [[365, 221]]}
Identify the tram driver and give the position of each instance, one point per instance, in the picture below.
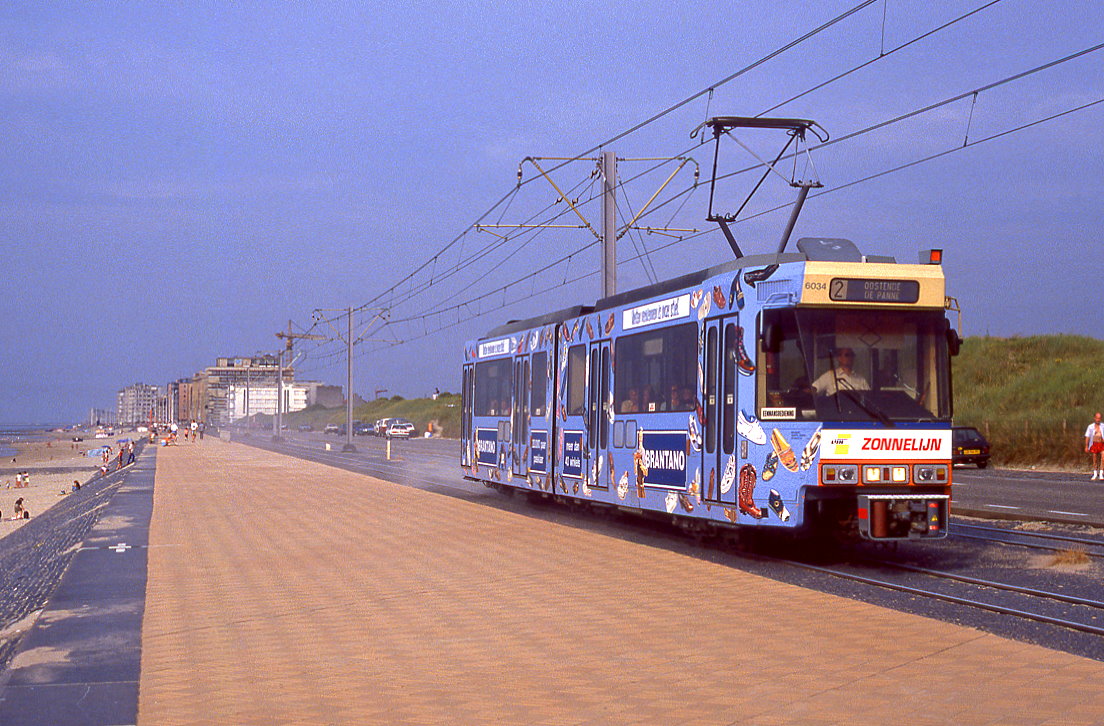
{"points": [[841, 376]]}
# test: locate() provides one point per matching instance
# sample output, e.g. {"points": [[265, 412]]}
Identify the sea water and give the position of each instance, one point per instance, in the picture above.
{"points": [[19, 433]]}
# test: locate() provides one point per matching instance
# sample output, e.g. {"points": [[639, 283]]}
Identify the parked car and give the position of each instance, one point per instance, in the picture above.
{"points": [[360, 428], [400, 428], [968, 446], [381, 426], [331, 429], [306, 427]]}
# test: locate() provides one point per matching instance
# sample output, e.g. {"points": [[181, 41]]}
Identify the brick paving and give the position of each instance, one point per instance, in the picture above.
{"points": [[282, 591]]}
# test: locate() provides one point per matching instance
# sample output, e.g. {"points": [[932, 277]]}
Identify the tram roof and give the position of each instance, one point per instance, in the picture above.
{"points": [[559, 316], [640, 293], [667, 286], [695, 278]]}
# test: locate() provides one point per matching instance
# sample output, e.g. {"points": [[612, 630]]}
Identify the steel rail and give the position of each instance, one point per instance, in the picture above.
{"points": [[1039, 535], [1000, 609], [1033, 545], [994, 585]]}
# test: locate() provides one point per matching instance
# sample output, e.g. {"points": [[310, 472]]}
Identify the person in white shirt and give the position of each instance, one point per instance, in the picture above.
{"points": [[1094, 446], [841, 377]]}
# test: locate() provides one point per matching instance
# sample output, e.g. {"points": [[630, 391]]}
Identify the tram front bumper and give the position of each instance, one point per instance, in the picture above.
{"points": [[902, 516]]}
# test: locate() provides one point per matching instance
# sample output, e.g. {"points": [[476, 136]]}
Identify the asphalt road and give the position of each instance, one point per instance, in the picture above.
{"points": [[1033, 495]]}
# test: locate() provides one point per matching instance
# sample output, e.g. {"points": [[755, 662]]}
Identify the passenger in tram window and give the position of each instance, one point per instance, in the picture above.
{"points": [[632, 403], [674, 399], [649, 402]]}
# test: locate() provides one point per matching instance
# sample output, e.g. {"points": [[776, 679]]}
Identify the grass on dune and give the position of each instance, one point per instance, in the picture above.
{"points": [[1032, 397]]}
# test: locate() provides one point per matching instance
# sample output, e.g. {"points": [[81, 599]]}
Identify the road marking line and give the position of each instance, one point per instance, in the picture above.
{"points": [[1073, 514], [1001, 506]]}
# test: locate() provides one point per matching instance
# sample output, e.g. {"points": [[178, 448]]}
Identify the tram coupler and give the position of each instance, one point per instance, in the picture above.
{"points": [[902, 516]]}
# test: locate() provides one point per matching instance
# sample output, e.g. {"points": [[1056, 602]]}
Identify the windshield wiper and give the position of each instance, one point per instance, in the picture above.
{"points": [[868, 407]]}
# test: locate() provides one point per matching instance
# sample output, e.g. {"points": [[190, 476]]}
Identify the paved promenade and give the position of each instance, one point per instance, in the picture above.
{"points": [[281, 591]]}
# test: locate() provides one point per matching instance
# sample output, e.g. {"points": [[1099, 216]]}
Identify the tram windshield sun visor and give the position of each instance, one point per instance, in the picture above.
{"points": [[884, 366]]}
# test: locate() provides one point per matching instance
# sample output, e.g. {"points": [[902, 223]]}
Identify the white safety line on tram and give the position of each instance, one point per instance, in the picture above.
{"points": [[1072, 514], [1001, 506]]}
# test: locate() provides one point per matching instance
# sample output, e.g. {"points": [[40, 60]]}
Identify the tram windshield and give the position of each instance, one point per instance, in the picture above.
{"points": [[854, 365]]}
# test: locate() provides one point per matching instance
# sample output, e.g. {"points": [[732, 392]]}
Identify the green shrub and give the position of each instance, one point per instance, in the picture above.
{"points": [[1032, 397]]}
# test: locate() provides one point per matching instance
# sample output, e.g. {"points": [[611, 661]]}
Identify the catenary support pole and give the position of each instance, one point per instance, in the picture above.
{"points": [[609, 223], [349, 391], [277, 422]]}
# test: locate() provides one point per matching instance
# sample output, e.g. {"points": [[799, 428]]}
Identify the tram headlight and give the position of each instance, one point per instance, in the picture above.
{"points": [[840, 474], [880, 474], [930, 474]]}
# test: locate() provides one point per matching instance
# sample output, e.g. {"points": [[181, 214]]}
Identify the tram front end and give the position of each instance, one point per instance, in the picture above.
{"points": [[864, 358]]}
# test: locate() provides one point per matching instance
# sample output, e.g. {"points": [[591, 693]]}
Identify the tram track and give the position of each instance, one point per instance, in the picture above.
{"points": [[1026, 593], [1049, 541]]}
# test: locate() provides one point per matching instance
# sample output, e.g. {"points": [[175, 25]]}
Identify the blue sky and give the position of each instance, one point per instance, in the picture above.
{"points": [[177, 182]]}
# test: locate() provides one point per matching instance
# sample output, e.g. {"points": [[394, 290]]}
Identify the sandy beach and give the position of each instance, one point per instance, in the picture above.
{"points": [[52, 466]]}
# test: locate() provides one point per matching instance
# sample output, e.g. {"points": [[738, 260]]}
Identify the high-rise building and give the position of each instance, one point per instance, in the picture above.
{"points": [[241, 386], [208, 392], [242, 401], [137, 403]]}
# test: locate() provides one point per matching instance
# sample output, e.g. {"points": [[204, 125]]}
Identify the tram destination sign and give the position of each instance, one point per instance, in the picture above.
{"points": [[852, 289]]}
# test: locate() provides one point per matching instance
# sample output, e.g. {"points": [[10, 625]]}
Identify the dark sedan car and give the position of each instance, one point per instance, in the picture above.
{"points": [[969, 447]]}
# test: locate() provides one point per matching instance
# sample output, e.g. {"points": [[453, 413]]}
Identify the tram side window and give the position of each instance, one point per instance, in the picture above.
{"points": [[494, 380], [576, 380], [657, 370], [539, 387]]}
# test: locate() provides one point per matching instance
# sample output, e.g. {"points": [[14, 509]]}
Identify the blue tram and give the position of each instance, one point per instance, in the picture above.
{"points": [[805, 390]]}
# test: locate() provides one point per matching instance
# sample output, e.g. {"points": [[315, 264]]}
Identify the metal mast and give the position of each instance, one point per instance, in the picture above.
{"points": [[349, 399], [609, 224], [290, 337]]}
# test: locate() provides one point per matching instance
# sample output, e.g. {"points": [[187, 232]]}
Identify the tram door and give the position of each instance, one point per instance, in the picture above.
{"points": [[540, 399], [720, 473], [572, 438], [519, 418], [599, 412], [466, 401]]}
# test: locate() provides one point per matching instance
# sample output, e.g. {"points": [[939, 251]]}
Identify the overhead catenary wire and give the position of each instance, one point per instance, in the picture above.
{"points": [[493, 246], [881, 56], [684, 194], [846, 137], [508, 198], [633, 129], [830, 190]]}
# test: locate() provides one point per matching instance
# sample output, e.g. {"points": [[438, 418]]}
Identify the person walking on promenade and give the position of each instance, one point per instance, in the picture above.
{"points": [[1094, 446]]}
